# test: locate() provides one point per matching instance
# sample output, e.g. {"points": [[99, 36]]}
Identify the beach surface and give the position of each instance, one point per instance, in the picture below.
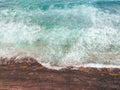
{"points": [[28, 74]]}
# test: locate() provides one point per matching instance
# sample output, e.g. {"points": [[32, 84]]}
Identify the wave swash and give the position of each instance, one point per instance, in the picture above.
{"points": [[61, 32]]}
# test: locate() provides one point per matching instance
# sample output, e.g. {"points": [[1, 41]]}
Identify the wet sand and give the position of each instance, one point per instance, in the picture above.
{"points": [[28, 74]]}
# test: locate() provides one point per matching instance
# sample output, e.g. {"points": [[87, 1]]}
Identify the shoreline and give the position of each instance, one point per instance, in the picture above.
{"points": [[17, 59], [28, 74]]}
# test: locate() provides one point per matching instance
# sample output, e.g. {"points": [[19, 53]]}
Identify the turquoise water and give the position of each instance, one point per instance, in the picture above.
{"points": [[61, 32]]}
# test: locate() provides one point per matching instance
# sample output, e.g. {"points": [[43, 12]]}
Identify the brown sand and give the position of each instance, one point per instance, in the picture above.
{"points": [[28, 74]]}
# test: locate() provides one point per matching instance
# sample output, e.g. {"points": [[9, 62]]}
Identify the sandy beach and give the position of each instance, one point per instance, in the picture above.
{"points": [[28, 74]]}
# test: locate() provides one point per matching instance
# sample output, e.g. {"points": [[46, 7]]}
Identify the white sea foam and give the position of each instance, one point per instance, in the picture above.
{"points": [[63, 37]]}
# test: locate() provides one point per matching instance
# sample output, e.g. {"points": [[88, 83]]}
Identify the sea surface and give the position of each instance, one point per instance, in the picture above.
{"points": [[61, 32]]}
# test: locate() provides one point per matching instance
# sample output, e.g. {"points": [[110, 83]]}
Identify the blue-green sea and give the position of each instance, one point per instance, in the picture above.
{"points": [[61, 32]]}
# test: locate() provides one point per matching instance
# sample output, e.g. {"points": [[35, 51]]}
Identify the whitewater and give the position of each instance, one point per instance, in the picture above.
{"points": [[61, 32]]}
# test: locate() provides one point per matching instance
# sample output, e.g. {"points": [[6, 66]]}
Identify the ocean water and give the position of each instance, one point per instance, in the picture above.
{"points": [[61, 32]]}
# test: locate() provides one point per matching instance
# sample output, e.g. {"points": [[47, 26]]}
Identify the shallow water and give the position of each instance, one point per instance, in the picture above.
{"points": [[61, 32]]}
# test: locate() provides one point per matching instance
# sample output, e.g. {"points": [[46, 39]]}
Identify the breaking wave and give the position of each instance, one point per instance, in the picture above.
{"points": [[61, 32]]}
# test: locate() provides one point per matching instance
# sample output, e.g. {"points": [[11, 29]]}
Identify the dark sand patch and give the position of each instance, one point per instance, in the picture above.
{"points": [[28, 74]]}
